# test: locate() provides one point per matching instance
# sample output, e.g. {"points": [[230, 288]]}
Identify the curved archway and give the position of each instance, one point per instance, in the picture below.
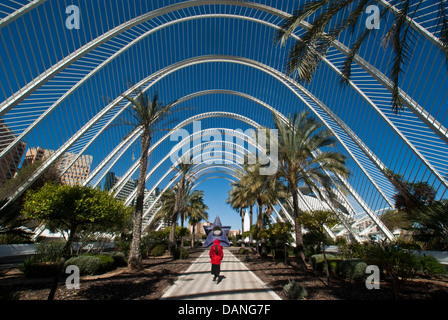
{"points": [[412, 105]]}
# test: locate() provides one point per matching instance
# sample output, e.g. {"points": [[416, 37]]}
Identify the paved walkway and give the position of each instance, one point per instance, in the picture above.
{"points": [[236, 282]]}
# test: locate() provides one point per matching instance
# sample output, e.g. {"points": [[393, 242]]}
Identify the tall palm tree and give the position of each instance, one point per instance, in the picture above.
{"points": [[190, 204], [195, 210], [301, 161], [184, 167], [306, 54], [149, 116], [237, 200], [265, 190]]}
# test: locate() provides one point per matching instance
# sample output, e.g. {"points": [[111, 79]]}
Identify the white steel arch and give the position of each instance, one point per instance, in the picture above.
{"points": [[419, 111], [116, 103]]}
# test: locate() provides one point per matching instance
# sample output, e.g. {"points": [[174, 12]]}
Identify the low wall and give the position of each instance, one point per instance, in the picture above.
{"points": [[11, 250], [441, 256]]}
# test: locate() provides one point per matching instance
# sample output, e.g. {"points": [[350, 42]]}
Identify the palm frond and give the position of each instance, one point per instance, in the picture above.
{"points": [[288, 27], [442, 23]]}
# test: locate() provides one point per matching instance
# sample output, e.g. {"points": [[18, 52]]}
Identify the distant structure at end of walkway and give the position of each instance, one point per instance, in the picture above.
{"points": [[216, 231]]}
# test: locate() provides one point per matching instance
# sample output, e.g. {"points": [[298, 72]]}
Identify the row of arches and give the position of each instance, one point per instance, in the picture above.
{"points": [[363, 157]]}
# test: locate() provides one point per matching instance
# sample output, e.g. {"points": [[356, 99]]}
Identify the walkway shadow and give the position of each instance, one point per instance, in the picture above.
{"points": [[220, 278]]}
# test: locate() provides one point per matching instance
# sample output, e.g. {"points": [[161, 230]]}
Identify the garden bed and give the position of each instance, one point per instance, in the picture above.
{"points": [[158, 274], [277, 274]]}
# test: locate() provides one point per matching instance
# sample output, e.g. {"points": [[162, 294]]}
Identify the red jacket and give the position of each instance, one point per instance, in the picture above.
{"points": [[216, 257]]}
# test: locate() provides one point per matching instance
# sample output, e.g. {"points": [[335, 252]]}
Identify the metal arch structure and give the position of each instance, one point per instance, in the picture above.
{"points": [[120, 184], [303, 200], [309, 99], [225, 178], [231, 59], [24, 92], [292, 85], [359, 142], [134, 167], [426, 117], [342, 218], [117, 101]]}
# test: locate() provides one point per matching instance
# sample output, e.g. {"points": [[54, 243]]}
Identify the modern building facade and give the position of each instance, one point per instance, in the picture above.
{"points": [[10, 162], [74, 175]]}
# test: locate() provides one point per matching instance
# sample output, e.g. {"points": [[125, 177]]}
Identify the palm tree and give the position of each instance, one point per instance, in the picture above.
{"points": [[149, 116], [237, 200], [195, 209], [190, 205], [300, 139], [306, 54], [265, 190], [184, 168]]}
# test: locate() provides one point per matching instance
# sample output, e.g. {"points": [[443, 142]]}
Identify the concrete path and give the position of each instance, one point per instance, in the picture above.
{"points": [[236, 282]]}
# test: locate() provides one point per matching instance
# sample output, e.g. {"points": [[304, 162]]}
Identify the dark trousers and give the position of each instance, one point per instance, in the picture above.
{"points": [[216, 268]]}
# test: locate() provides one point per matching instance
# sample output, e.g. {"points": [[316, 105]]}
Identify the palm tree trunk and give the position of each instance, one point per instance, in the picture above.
{"points": [[300, 254], [135, 255], [251, 238], [242, 226], [263, 239], [242, 219], [192, 235], [327, 269], [172, 241]]}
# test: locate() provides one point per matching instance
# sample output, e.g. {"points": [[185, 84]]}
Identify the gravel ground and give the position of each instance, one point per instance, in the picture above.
{"points": [[160, 273]]}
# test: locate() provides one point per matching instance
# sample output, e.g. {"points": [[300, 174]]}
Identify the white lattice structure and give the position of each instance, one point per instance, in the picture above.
{"points": [[61, 81]]}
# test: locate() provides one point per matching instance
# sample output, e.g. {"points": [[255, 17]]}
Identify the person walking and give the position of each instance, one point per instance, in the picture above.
{"points": [[216, 255]]}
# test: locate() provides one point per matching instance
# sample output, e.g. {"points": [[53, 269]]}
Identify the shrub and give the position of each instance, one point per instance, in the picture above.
{"points": [[316, 259], [8, 293], [180, 253], [280, 254], [294, 291], [431, 267], [158, 250], [123, 246], [88, 265], [398, 264], [352, 269], [50, 251], [34, 268], [107, 263], [243, 251], [119, 258]]}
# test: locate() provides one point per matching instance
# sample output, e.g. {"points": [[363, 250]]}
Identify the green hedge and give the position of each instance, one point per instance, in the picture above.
{"points": [[352, 269], [318, 263], [180, 253], [243, 251], [119, 258], [158, 250], [107, 263], [430, 267], [88, 265], [97, 264]]}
